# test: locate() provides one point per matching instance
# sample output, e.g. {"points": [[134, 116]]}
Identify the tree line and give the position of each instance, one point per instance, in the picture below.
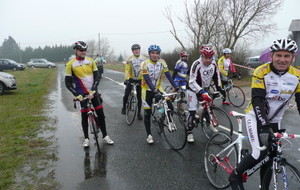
{"points": [[11, 50]]}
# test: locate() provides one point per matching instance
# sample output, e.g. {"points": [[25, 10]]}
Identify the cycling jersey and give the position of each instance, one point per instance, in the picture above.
{"points": [[225, 65], [133, 67], [155, 71], [82, 73], [182, 68], [202, 75], [274, 89]]}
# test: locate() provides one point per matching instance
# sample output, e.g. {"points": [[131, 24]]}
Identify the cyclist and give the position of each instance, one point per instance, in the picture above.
{"points": [[83, 72], [152, 71], [202, 72], [181, 69], [225, 64], [273, 85], [133, 75]]}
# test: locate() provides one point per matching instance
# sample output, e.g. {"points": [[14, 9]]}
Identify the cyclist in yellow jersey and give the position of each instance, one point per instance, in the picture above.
{"points": [[152, 71], [225, 64], [82, 71], [133, 75], [273, 85]]}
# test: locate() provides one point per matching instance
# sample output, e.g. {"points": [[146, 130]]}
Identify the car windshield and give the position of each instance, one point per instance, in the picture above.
{"points": [[11, 61]]}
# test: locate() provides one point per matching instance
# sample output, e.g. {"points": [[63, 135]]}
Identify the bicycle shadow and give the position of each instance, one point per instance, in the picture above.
{"points": [[98, 168]]}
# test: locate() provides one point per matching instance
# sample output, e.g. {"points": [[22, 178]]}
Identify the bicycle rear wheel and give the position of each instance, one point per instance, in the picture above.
{"points": [[131, 109], [176, 136], [93, 128], [236, 96], [221, 119], [216, 174], [292, 177]]}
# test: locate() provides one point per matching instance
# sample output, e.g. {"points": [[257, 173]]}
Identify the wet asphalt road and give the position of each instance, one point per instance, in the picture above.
{"points": [[130, 163]]}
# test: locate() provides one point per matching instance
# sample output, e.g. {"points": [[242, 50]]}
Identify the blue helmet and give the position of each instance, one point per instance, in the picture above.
{"points": [[154, 48]]}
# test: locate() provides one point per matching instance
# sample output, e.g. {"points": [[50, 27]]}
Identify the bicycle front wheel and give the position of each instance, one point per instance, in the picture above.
{"points": [[287, 175], [182, 109], [236, 96], [221, 122], [131, 109], [176, 133], [216, 174], [93, 128]]}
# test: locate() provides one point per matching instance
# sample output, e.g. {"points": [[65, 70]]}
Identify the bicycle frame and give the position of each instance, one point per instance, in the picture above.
{"points": [[164, 115]]}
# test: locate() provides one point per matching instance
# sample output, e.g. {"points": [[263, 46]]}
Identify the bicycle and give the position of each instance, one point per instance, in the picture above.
{"points": [[235, 94], [212, 119], [92, 120], [221, 159], [169, 123], [132, 104]]}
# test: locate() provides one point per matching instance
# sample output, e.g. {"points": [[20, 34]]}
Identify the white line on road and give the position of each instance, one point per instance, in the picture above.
{"points": [[119, 83]]}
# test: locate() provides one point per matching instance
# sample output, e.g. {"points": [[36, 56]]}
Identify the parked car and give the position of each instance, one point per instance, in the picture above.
{"points": [[40, 63], [7, 82], [253, 62], [8, 64]]}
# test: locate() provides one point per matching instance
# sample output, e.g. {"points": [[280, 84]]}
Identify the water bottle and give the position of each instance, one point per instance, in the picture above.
{"points": [[161, 110]]}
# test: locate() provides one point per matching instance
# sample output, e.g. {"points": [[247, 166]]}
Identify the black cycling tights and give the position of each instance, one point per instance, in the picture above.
{"points": [[97, 103]]}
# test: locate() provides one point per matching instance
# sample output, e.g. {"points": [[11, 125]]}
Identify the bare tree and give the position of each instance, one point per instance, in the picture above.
{"points": [[105, 49], [224, 22]]}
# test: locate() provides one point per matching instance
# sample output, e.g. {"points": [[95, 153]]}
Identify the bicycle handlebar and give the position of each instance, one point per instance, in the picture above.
{"points": [[282, 135]]}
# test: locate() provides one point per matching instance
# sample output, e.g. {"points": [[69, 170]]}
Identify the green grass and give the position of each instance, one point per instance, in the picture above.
{"points": [[20, 120]]}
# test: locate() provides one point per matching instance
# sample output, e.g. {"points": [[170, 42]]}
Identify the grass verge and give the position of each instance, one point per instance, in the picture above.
{"points": [[21, 118]]}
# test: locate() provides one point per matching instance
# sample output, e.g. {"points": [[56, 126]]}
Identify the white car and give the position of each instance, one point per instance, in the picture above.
{"points": [[40, 63], [7, 82]]}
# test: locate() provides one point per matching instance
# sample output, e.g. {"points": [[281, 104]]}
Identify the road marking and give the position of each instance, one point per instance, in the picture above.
{"points": [[119, 83]]}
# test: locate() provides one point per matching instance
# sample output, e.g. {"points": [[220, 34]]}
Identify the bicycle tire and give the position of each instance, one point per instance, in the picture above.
{"points": [[182, 109], [236, 96], [223, 122], [216, 174], [156, 120], [93, 128], [292, 174], [131, 109], [175, 138]]}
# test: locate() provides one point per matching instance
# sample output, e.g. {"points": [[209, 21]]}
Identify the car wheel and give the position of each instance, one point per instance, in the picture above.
{"points": [[15, 68], [49, 66], [32, 66], [2, 88]]}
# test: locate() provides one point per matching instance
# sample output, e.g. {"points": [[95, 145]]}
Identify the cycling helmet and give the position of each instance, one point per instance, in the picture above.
{"points": [[285, 45], [135, 46], [207, 51], [226, 50], [154, 48], [80, 45], [184, 54]]}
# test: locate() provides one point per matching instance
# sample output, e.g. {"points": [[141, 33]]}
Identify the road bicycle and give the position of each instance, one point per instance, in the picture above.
{"points": [[132, 104], [212, 119], [235, 94], [169, 123], [92, 119], [221, 159]]}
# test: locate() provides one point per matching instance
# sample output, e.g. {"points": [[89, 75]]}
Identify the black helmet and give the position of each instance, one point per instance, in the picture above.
{"points": [[80, 45], [135, 46]]}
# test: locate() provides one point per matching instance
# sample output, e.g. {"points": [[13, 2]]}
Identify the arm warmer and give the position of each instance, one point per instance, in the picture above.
{"points": [[258, 103], [148, 81], [96, 80], [69, 85], [174, 73], [168, 75]]}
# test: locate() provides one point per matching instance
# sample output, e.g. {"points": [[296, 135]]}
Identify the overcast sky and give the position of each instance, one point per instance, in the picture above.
{"points": [[123, 22]]}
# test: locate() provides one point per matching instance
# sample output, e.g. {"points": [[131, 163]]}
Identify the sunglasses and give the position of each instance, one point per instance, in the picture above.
{"points": [[82, 50]]}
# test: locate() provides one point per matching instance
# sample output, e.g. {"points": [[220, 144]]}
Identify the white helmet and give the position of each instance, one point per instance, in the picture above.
{"points": [[226, 50], [285, 45]]}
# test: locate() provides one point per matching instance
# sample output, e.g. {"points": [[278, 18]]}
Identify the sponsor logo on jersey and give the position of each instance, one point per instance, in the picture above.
{"points": [[286, 92], [272, 83], [257, 81], [274, 91], [208, 72], [288, 83], [276, 98]]}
